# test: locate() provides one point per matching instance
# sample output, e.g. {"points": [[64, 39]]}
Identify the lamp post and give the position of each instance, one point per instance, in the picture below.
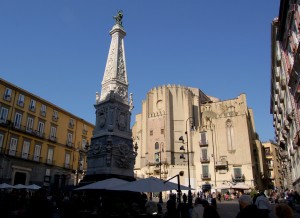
{"points": [[178, 185], [188, 160], [161, 150]]}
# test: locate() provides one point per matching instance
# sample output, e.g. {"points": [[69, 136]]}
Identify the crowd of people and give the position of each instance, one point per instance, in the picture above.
{"points": [[24, 204], [259, 206]]}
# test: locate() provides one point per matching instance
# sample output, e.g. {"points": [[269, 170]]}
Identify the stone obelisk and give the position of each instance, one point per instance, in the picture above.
{"points": [[111, 153]]}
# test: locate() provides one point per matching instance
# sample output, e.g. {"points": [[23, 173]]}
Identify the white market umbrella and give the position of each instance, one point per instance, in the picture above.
{"points": [[150, 184], [19, 186], [5, 186], [104, 184], [223, 186], [240, 185], [33, 187]]}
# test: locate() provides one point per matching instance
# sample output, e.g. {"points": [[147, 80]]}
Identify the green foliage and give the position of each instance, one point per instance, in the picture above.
{"points": [[253, 192]]}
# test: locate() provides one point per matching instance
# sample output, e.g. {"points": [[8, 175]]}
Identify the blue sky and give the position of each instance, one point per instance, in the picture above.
{"points": [[57, 49]]}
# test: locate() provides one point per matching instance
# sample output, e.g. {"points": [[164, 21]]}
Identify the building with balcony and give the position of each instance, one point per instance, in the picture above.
{"points": [[219, 137], [274, 165], [285, 89], [40, 143]]}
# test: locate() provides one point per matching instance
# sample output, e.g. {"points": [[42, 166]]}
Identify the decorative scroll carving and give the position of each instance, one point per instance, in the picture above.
{"points": [[124, 161], [97, 149], [122, 91]]}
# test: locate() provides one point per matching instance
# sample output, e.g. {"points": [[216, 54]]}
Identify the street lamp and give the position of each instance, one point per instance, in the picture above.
{"points": [[188, 160], [161, 150], [178, 185]]}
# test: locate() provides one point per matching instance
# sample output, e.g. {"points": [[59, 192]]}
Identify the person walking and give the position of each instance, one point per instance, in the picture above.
{"points": [[210, 212], [183, 207], [263, 204], [171, 209], [283, 211], [151, 206], [247, 208], [198, 209]]}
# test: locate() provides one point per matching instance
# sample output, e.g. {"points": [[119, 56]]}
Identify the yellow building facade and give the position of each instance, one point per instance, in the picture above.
{"points": [[40, 143], [274, 165]]}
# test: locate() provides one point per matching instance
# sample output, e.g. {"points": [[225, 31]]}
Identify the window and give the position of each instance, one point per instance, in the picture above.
{"points": [[83, 143], [25, 149], [53, 133], [3, 115], [29, 124], [290, 54], [18, 120], [70, 139], [21, 100], [267, 151], [203, 140], [1, 140], [156, 146], [157, 157], [32, 105], [67, 160], [84, 131], [55, 115], [48, 172], [81, 160], [204, 154], [50, 156], [37, 152], [43, 110], [230, 136], [237, 173], [269, 174], [205, 172], [151, 132], [71, 123], [162, 131], [13, 146], [40, 130], [7, 94]]}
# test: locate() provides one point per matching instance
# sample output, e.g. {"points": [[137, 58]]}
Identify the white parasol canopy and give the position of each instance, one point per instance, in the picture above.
{"points": [[104, 184], [19, 186], [150, 184], [223, 186], [33, 187], [241, 185], [5, 186]]}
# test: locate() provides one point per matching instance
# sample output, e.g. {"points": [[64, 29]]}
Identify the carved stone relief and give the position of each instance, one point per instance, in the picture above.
{"points": [[122, 91], [102, 118], [231, 111], [124, 160], [110, 61], [122, 121], [121, 66]]}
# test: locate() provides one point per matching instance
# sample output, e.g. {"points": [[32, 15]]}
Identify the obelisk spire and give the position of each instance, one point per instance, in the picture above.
{"points": [[115, 74]]}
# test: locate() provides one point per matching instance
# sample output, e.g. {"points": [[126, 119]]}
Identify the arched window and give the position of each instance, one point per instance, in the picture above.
{"points": [[230, 136], [156, 146]]}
